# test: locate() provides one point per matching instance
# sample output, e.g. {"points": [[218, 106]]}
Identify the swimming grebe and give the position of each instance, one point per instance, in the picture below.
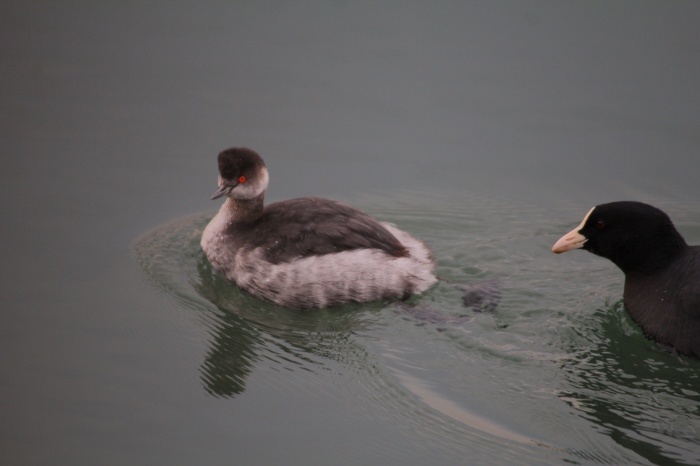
{"points": [[662, 273], [308, 252]]}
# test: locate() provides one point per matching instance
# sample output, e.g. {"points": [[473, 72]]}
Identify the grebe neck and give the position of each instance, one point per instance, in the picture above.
{"points": [[244, 210]]}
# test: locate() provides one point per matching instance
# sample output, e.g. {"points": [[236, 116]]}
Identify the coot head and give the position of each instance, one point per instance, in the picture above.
{"points": [[242, 174], [633, 235]]}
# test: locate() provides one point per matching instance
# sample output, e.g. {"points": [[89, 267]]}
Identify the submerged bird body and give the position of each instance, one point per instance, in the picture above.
{"points": [[308, 252], [662, 273]]}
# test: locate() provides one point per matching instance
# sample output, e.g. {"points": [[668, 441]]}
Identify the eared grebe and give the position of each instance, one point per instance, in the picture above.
{"points": [[307, 252], [662, 273]]}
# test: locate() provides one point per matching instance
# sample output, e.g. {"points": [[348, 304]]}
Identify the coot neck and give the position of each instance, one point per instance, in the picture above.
{"points": [[650, 258]]}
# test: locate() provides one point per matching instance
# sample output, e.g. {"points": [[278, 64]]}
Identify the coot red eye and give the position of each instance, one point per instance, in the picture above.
{"points": [[600, 225], [242, 179]]}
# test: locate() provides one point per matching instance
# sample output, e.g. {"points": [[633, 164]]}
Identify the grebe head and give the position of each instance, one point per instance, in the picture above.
{"points": [[242, 174]]}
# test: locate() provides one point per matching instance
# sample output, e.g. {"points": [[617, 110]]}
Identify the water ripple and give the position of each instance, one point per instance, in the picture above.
{"points": [[557, 372]]}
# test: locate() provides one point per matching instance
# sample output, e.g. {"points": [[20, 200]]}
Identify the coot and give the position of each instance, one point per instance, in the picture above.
{"points": [[662, 273]]}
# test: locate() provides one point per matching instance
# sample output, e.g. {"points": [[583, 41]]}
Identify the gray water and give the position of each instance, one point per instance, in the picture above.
{"points": [[487, 129]]}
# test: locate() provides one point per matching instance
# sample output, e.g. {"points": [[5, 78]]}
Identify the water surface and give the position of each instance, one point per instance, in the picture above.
{"points": [[543, 377]]}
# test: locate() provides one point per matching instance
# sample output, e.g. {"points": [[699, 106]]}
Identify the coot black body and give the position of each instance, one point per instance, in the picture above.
{"points": [[662, 272]]}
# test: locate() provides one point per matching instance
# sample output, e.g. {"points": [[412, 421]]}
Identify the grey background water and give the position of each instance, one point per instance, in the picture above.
{"points": [[486, 128]]}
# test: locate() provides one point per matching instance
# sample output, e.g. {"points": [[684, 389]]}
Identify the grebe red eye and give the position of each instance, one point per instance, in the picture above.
{"points": [[242, 179], [600, 225]]}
